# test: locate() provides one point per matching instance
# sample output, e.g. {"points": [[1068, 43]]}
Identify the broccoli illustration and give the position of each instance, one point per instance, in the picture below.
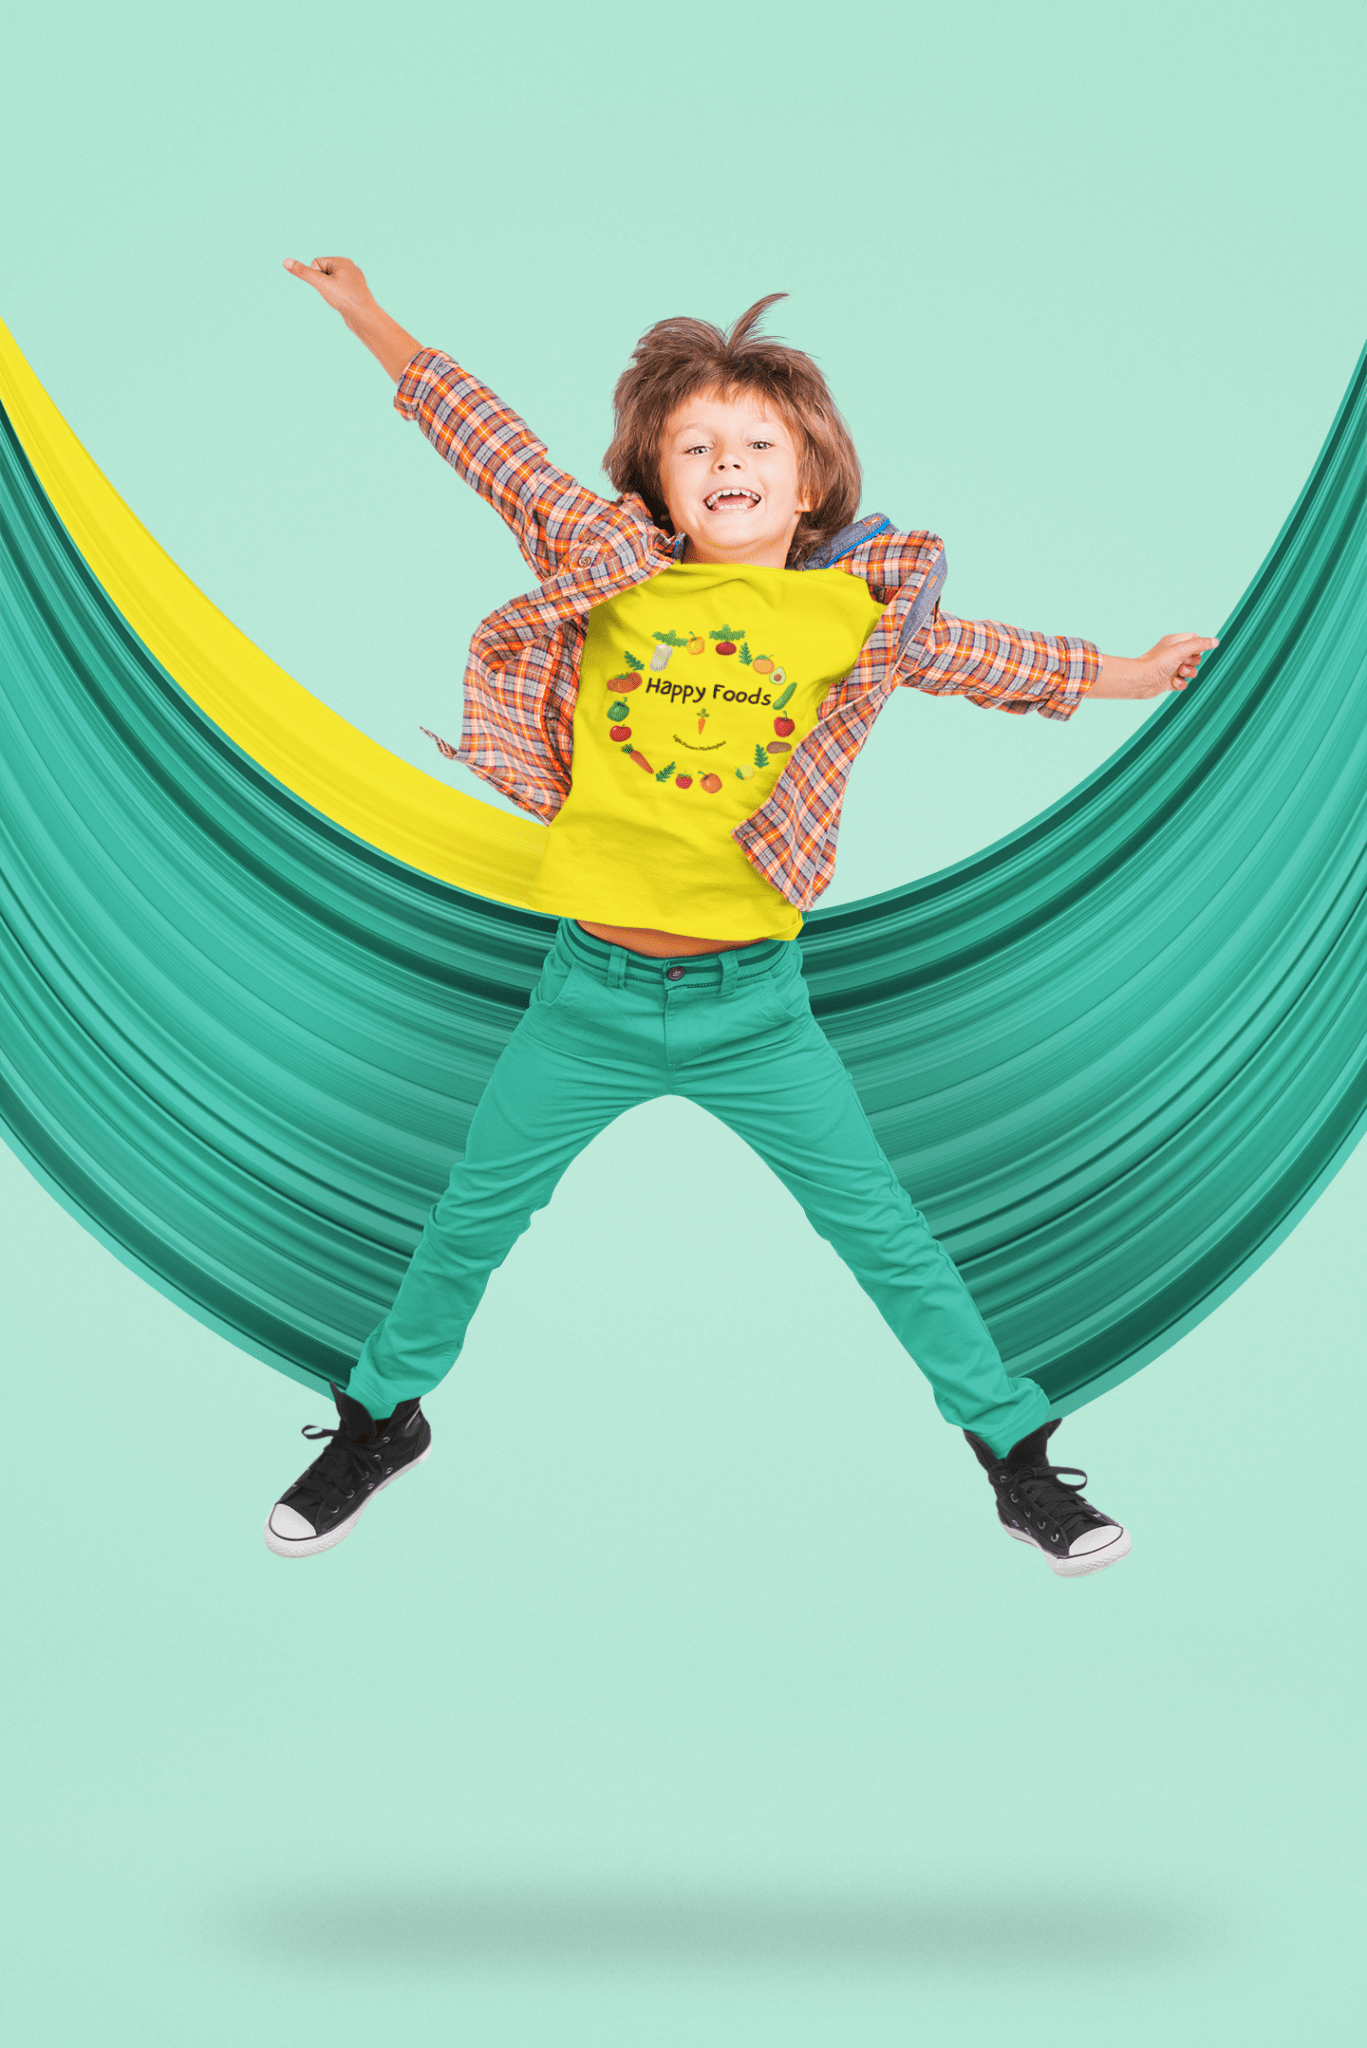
{"points": [[667, 643]]}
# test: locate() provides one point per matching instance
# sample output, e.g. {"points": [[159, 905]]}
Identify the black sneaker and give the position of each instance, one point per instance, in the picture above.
{"points": [[1036, 1507], [326, 1502]]}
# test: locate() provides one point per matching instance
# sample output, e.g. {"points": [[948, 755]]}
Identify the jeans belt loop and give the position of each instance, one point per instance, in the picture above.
{"points": [[617, 967], [730, 974]]}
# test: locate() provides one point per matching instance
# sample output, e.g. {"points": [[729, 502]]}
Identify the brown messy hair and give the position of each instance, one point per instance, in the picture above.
{"points": [[677, 359]]}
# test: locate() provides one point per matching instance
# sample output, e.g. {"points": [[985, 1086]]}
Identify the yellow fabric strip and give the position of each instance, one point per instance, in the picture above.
{"points": [[316, 754]]}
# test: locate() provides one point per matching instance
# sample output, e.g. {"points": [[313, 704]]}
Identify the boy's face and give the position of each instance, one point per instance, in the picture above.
{"points": [[729, 475]]}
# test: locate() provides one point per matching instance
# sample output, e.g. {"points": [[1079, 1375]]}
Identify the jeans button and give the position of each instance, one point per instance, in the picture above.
{"points": [[674, 974]]}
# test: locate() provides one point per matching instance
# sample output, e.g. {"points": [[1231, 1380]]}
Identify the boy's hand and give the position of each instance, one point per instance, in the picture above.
{"points": [[1170, 665], [338, 280], [342, 283]]}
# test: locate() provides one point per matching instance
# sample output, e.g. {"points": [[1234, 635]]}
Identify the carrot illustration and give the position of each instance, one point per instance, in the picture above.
{"points": [[639, 759]]}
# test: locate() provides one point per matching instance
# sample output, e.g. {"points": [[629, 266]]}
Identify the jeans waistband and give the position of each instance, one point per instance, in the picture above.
{"points": [[617, 966]]}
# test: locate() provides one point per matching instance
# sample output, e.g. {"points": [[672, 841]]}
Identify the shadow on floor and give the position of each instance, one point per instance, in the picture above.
{"points": [[1044, 1922]]}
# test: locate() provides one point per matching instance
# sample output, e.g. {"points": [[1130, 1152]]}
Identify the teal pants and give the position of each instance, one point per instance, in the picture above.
{"points": [[733, 1032]]}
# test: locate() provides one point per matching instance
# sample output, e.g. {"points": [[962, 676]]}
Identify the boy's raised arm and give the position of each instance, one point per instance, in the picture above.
{"points": [[486, 443]]}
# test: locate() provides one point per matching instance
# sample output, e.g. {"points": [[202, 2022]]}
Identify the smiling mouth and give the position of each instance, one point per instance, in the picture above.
{"points": [[732, 499], [696, 749]]}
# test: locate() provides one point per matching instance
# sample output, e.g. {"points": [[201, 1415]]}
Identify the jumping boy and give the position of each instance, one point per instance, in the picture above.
{"points": [[681, 701]]}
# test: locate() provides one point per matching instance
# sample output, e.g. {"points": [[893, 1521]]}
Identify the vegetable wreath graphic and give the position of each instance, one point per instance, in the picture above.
{"points": [[728, 642]]}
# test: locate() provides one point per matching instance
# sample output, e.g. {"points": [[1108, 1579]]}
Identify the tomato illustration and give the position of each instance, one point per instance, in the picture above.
{"points": [[711, 783], [783, 726], [683, 782], [620, 732]]}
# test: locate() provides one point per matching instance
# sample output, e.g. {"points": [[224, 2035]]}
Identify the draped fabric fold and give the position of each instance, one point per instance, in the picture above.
{"points": [[256, 970]]}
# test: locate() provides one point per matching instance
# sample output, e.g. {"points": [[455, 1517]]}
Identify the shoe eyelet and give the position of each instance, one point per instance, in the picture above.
{"points": [[1013, 1496], [1054, 1537]]}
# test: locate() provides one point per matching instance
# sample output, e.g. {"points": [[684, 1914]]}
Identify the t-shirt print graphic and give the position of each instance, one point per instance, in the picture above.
{"points": [[750, 700]]}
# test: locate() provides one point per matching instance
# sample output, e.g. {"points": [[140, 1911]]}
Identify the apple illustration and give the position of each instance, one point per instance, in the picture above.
{"points": [[783, 726], [620, 732]]}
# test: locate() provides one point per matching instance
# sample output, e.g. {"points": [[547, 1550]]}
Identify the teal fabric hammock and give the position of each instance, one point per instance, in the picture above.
{"points": [[1114, 1057]]}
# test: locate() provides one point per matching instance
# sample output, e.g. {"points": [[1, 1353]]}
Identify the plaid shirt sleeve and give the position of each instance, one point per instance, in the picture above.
{"points": [[1001, 667], [499, 455]]}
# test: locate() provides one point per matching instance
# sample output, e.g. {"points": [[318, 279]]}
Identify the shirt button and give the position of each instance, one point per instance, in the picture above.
{"points": [[674, 974]]}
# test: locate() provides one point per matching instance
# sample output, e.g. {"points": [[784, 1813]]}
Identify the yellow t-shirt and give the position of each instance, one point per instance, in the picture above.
{"points": [[694, 689]]}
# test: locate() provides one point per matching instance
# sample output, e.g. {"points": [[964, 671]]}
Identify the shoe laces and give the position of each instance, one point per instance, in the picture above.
{"points": [[347, 1463], [1041, 1489]]}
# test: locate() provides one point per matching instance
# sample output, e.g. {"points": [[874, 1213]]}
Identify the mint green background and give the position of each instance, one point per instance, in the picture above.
{"points": [[689, 1694]]}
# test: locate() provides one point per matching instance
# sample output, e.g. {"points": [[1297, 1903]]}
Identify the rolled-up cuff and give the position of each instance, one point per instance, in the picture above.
{"points": [[417, 378], [1080, 667]]}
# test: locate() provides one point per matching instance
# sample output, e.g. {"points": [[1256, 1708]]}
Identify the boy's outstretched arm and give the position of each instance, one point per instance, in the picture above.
{"points": [[1007, 668], [485, 442]]}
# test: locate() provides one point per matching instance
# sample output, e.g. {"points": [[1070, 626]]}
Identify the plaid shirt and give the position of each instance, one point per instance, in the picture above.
{"points": [[522, 676]]}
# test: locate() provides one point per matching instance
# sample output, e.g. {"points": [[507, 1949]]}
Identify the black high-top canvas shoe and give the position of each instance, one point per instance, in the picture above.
{"points": [[363, 1457], [1035, 1506]]}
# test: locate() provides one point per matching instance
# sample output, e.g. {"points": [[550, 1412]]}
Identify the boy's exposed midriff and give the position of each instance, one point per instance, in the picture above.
{"points": [[659, 945]]}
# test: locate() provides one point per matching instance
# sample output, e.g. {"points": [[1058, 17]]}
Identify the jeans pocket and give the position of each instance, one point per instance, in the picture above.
{"points": [[786, 997], [556, 977]]}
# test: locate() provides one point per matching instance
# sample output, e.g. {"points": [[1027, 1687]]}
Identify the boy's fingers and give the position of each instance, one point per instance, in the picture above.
{"points": [[315, 272]]}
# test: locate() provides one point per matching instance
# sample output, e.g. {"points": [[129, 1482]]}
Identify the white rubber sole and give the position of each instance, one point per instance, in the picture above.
{"points": [[309, 1546], [1077, 1567]]}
